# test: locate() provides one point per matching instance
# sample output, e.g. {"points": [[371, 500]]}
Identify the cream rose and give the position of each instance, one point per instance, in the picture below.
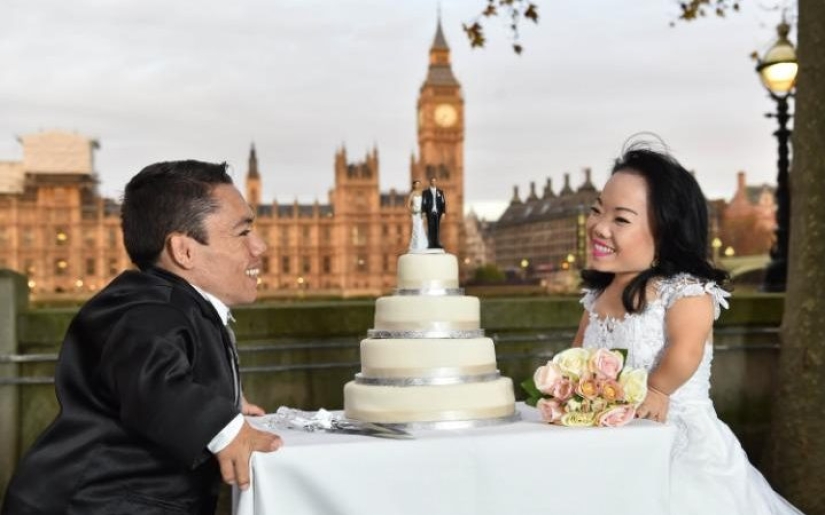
{"points": [[578, 419], [606, 364], [634, 384], [547, 378], [573, 361]]}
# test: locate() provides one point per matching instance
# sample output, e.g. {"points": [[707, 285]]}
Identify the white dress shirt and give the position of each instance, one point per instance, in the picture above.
{"points": [[231, 430]]}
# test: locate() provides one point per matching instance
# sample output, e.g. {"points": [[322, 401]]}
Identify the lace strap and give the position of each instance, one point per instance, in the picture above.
{"points": [[588, 298], [681, 286]]}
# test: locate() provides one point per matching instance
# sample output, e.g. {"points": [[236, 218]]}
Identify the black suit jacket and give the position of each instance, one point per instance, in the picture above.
{"points": [[144, 382], [427, 201]]}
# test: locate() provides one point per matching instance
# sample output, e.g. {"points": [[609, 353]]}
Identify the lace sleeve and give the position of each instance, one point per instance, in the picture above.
{"points": [[588, 298], [683, 285]]}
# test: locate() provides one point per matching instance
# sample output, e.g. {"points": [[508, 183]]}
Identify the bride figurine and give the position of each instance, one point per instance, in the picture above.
{"points": [[418, 238], [652, 290]]}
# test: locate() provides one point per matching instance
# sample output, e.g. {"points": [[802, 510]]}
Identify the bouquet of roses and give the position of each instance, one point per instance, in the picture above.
{"points": [[587, 387]]}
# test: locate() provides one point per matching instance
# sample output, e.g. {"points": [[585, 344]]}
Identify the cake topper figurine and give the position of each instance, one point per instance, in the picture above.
{"points": [[434, 205], [418, 238]]}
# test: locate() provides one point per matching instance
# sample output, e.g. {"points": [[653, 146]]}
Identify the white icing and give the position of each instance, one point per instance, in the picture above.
{"points": [[393, 404], [413, 312], [417, 366], [407, 358], [427, 270]]}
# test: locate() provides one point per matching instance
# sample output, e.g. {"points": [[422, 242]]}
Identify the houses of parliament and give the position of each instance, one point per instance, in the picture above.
{"points": [[65, 238], [58, 231]]}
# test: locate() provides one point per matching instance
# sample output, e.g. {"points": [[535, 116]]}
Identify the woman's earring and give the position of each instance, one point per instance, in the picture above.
{"points": [[654, 263]]}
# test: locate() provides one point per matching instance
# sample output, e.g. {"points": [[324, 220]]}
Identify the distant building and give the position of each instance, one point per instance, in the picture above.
{"points": [[57, 230], [54, 227], [748, 223], [541, 235], [479, 246]]}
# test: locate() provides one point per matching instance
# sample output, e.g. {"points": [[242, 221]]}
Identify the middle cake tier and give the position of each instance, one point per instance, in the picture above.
{"points": [[427, 359], [427, 313]]}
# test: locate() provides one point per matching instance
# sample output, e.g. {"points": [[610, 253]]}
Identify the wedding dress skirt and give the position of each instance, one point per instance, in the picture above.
{"points": [[418, 236], [710, 472]]}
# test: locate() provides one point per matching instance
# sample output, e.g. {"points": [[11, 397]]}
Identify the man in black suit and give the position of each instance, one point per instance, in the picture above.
{"points": [[151, 407], [435, 205]]}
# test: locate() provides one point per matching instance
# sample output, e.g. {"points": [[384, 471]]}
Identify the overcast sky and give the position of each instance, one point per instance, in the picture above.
{"points": [[156, 80]]}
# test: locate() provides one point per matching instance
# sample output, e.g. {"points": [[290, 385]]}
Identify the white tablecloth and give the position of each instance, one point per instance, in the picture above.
{"points": [[522, 468]]}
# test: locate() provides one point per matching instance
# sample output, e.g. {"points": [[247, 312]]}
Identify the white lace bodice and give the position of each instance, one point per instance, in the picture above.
{"points": [[643, 334], [416, 204]]}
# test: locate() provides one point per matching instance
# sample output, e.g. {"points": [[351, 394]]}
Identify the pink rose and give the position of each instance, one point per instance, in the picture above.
{"points": [[550, 409], [606, 364], [563, 389], [611, 390], [617, 416], [547, 377]]}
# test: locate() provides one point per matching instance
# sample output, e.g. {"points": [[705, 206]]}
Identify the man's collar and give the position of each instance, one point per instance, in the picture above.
{"points": [[220, 307]]}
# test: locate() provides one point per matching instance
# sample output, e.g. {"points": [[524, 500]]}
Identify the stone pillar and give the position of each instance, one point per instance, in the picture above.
{"points": [[14, 297]]}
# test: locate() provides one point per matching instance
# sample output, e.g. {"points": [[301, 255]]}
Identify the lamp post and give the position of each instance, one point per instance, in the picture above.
{"points": [[777, 69]]}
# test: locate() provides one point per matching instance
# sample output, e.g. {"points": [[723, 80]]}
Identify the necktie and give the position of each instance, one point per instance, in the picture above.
{"points": [[233, 347]]}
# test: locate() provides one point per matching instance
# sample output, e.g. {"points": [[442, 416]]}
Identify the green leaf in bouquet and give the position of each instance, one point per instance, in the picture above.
{"points": [[529, 386], [623, 352]]}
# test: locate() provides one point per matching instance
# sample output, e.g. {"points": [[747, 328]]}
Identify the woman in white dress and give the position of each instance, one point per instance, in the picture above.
{"points": [[652, 290], [418, 237]]}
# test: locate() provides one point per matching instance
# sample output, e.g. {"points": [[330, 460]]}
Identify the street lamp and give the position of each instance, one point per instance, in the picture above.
{"points": [[777, 69], [716, 244]]}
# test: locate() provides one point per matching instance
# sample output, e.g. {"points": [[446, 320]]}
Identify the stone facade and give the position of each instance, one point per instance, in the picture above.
{"points": [[540, 236], [57, 230], [54, 227]]}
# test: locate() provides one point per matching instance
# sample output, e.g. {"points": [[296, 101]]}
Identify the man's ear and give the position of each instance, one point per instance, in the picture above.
{"points": [[181, 250]]}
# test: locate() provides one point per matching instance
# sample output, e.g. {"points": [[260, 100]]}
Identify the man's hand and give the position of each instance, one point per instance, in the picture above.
{"points": [[249, 409], [234, 458]]}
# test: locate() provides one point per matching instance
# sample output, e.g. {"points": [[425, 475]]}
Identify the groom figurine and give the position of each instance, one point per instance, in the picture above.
{"points": [[434, 204]]}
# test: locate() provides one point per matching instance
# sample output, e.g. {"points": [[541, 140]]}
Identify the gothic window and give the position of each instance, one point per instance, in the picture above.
{"points": [[285, 264], [361, 264], [443, 172], [60, 267], [90, 266], [306, 265], [61, 237], [113, 266], [327, 264]]}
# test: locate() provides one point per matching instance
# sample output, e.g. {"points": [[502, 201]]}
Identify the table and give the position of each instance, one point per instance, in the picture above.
{"points": [[523, 468]]}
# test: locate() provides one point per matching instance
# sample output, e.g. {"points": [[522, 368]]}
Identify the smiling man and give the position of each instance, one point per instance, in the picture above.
{"points": [[151, 406]]}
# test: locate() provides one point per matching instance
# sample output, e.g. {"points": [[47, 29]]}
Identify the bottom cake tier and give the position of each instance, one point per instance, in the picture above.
{"points": [[411, 404]]}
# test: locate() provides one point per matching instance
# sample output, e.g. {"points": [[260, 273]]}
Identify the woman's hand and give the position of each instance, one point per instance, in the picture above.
{"points": [[655, 405]]}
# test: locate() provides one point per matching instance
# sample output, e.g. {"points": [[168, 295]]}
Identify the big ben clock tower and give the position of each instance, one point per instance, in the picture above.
{"points": [[441, 141]]}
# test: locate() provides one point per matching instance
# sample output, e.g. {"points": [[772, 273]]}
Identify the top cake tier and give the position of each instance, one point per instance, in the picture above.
{"points": [[427, 272]]}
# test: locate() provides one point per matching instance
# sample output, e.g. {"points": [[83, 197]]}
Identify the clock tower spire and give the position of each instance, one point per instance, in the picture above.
{"points": [[441, 139]]}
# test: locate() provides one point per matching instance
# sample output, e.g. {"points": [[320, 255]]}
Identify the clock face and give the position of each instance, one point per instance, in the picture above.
{"points": [[445, 115]]}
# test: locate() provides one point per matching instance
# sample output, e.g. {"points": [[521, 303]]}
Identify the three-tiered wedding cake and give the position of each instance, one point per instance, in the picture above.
{"points": [[427, 362]]}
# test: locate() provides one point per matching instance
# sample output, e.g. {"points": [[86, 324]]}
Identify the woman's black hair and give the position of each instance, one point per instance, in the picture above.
{"points": [[678, 216]]}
